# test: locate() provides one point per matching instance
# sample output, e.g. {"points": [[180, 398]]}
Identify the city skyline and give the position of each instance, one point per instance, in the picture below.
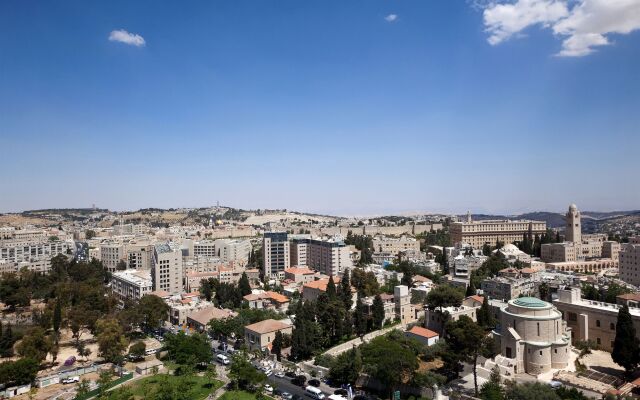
{"points": [[345, 109]]}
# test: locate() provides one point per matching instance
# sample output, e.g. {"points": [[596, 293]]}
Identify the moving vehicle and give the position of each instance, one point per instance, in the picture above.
{"points": [[314, 393], [222, 359], [71, 379]]}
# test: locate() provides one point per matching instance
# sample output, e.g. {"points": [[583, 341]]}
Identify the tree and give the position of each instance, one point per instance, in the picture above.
{"points": [[530, 391], [138, 349], [486, 250], [82, 387], [6, 341], [344, 290], [471, 290], [153, 311], [243, 285], [470, 341], [359, 318], [492, 390], [485, 317], [35, 345], [57, 318], [377, 312], [188, 350], [626, 348], [242, 373], [388, 361], [20, 372], [346, 368], [211, 374], [276, 346], [206, 288], [111, 341], [444, 296], [104, 378], [331, 289], [543, 291]]}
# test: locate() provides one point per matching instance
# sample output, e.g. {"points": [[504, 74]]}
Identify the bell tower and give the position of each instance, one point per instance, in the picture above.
{"points": [[573, 231]]}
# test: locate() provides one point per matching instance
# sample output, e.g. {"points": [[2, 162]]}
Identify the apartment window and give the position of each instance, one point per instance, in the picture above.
{"points": [[573, 316], [555, 351], [612, 326], [598, 341], [598, 323]]}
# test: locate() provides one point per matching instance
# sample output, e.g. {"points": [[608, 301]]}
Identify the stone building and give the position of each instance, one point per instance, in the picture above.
{"points": [[533, 335], [629, 260], [479, 233]]}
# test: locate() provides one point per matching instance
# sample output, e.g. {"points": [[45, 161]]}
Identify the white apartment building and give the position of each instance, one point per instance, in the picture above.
{"points": [[233, 250], [330, 257], [276, 253], [32, 252], [383, 244], [479, 233], [629, 261], [131, 284], [166, 271]]}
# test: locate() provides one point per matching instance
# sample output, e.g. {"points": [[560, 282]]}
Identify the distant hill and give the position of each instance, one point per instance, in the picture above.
{"points": [[590, 219]]}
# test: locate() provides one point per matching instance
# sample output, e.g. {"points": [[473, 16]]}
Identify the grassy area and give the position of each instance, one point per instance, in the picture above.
{"points": [[237, 395], [197, 387]]}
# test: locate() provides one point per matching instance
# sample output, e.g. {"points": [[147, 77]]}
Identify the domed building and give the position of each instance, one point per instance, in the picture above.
{"points": [[533, 336]]}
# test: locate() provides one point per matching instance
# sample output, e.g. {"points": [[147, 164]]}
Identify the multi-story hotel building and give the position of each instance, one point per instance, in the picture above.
{"points": [[139, 256], [275, 248], [111, 253], [331, 257], [629, 261], [166, 271], [479, 233], [32, 252]]}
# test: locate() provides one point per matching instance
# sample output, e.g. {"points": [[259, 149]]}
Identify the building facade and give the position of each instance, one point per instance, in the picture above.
{"points": [[479, 233], [532, 333], [629, 261], [276, 253], [166, 270]]}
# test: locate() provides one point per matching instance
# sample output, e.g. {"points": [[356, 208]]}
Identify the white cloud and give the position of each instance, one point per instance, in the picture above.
{"points": [[391, 18], [125, 37], [581, 24], [504, 20]]}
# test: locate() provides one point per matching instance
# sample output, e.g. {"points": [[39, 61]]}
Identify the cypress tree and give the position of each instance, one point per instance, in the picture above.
{"points": [[471, 290], [57, 317], [331, 289], [243, 285], [378, 312], [626, 349], [359, 319], [344, 291]]}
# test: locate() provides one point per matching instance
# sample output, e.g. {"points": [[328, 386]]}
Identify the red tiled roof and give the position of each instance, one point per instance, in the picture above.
{"points": [[424, 332], [266, 326]]}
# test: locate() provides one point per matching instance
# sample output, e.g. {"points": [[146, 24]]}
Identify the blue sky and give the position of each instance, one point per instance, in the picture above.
{"points": [[325, 106]]}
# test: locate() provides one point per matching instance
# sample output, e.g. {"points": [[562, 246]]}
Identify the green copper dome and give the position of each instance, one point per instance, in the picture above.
{"points": [[530, 302]]}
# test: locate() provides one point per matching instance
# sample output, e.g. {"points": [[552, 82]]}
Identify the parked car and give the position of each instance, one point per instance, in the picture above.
{"points": [[69, 361], [279, 374], [286, 396], [290, 374], [299, 380], [314, 382], [341, 392], [268, 388], [71, 379]]}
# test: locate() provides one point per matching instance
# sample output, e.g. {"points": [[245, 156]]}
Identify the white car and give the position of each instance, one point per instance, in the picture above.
{"points": [[268, 388], [71, 379], [280, 374], [267, 371]]}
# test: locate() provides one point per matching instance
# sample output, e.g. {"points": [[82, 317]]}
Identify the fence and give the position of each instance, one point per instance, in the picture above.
{"points": [[111, 384], [56, 378]]}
